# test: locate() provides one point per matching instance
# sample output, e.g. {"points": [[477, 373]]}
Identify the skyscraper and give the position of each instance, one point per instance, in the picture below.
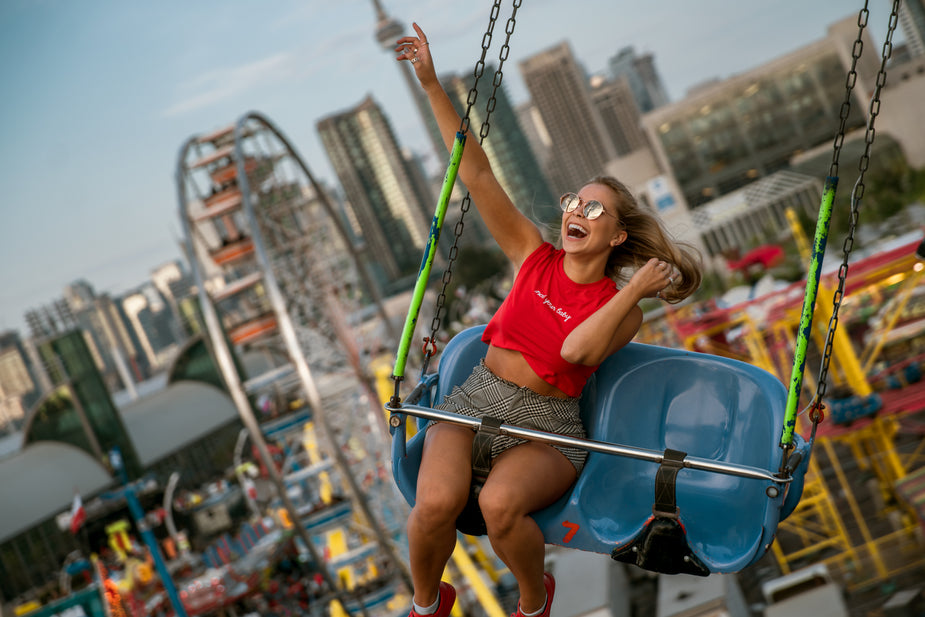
{"points": [[560, 91], [79, 410], [17, 388], [388, 31], [732, 132], [389, 196], [531, 123], [642, 77], [103, 323], [617, 106], [912, 22], [507, 148], [152, 323], [174, 285]]}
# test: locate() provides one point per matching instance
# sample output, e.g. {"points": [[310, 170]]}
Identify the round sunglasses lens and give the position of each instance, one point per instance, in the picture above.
{"points": [[593, 209], [569, 202]]}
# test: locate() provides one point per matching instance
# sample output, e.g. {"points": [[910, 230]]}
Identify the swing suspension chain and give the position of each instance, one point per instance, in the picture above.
{"points": [[850, 81], [430, 343], [857, 193]]}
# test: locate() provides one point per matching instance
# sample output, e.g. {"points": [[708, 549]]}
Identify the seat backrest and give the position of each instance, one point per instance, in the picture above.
{"points": [[707, 406], [461, 355]]}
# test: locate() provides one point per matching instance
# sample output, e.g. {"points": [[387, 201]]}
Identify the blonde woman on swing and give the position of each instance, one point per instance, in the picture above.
{"points": [[562, 318]]}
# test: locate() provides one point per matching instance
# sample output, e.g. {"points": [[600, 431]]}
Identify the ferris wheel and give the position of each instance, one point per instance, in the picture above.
{"points": [[291, 317]]}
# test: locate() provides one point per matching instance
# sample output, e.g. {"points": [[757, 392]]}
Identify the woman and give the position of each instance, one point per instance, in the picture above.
{"points": [[562, 318]]}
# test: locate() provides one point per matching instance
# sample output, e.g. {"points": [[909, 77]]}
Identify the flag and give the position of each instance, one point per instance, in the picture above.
{"points": [[78, 514], [250, 489]]}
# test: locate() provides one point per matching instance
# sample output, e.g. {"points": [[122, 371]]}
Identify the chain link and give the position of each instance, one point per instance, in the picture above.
{"points": [[483, 133], [480, 67], [858, 191], [856, 50]]}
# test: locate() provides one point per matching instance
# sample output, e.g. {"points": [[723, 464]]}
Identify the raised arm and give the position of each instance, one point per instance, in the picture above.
{"points": [[516, 234]]}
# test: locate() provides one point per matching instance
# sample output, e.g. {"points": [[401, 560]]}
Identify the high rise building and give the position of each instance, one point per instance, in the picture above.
{"points": [[912, 22], [732, 132], [559, 89], [387, 191], [174, 284], [79, 410], [17, 387], [531, 123], [641, 76], [507, 148], [102, 321], [617, 106], [389, 30], [152, 324]]}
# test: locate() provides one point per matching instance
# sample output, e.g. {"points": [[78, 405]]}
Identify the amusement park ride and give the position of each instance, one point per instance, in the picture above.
{"points": [[862, 502], [279, 281], [721, 469], [716, 464]]}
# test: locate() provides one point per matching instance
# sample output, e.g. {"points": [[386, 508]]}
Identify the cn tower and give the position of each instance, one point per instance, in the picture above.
{"points": [[388, 31]]}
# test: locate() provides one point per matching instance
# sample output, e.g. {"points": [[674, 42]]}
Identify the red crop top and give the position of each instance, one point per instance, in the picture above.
{"points": [[542, 308]]}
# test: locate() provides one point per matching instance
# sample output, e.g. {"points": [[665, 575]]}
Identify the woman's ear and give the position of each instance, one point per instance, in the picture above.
{"points": [[618, 239]]}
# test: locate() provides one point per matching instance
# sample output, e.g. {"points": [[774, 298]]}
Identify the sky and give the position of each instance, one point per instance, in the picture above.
{"points": [[98, 96]]}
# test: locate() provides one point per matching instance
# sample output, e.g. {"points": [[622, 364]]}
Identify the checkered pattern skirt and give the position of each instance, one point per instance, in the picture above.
{"points": [[486, 394]]}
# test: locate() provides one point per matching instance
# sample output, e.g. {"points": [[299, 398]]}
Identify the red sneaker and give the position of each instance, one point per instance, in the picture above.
{"points": [[550, 583], [447, 600]]}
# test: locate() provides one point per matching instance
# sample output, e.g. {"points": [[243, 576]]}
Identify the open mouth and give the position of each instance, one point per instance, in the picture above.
{"points": [[576, 231]]}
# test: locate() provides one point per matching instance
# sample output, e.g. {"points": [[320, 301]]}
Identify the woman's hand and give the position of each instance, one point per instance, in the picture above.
{"points": [[516, 234], [652, 279], [416, 50]]}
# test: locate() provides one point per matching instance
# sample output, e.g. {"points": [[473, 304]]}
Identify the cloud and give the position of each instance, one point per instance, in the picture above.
{"points": [[224, 83], [339, 49]]}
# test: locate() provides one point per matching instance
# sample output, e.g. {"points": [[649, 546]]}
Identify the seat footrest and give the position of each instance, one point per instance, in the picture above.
{"points": [[662, 547]]}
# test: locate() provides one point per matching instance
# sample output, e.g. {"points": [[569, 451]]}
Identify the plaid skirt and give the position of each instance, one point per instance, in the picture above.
{"points": [[486, 394]]}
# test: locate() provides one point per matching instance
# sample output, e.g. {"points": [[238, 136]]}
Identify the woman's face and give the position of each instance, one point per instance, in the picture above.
{"points": [[581, 234]]}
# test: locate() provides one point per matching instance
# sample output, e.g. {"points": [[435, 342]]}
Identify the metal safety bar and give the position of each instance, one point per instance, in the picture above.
{"points": [[654, 456]]}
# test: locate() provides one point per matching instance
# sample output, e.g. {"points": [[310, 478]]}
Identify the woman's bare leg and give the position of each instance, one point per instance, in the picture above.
{"points": [[524, 479], [442, 492]]}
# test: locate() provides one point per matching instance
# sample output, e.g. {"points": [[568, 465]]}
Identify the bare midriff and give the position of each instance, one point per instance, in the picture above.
{"points": [[511, 366]]}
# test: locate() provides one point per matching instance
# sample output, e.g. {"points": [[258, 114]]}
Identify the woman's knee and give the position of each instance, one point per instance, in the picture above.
{"points": [[439, 505], [523, 479], [499, 509]]}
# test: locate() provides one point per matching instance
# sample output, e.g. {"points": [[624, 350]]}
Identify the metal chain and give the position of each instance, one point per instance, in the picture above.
{"points": [[850, 81], [483, 133], [480, 66], [856, 195]]}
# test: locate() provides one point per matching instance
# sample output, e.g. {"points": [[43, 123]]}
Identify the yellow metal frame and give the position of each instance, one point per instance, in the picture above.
{"points": [[818, 528], [872, 352]]}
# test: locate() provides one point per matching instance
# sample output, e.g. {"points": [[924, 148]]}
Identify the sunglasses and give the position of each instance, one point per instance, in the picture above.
{"points": [[591, 210]]}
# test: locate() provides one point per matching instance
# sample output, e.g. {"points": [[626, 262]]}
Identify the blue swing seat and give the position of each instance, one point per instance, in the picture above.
{"points": [[655, 398]]}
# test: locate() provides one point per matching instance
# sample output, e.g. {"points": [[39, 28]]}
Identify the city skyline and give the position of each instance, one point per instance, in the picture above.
{"points": [[104, 95]]}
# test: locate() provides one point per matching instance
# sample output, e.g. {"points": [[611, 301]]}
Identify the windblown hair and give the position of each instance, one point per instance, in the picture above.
{"points": [[646, 237]]}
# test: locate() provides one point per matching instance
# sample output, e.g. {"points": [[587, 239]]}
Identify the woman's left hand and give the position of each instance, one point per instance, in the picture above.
{"points": [[653, 278]]}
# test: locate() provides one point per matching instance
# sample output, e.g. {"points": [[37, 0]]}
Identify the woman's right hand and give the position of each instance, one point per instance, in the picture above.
{"points": [[516, 234], [416, 50]]}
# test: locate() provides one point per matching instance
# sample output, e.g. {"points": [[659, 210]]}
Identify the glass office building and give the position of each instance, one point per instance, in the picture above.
{"points": [[79, 410], [729, 133]]}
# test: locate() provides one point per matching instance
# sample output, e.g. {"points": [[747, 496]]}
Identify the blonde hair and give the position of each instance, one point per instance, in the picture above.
{"points": [[646, 237]]}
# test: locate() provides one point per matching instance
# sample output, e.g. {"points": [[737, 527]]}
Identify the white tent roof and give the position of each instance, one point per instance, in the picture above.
{"points": [[168, 420], [39, 481]]}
